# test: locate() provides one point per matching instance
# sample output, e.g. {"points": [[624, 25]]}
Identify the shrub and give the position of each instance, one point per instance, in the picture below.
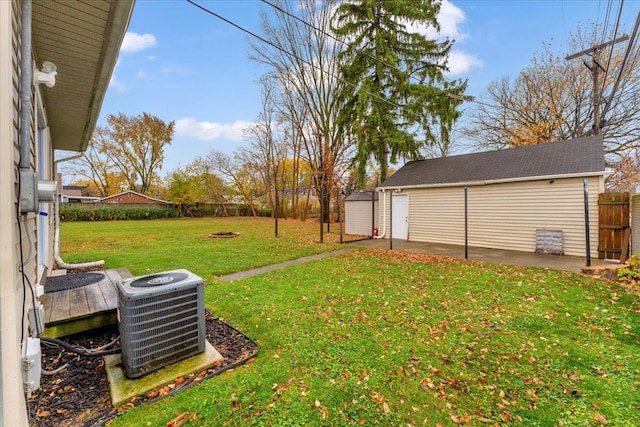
{"points": [[632, 272], [111, 213]]}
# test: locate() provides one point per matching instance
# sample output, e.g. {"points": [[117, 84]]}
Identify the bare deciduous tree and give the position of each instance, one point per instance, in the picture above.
{"points": [[302, 60], [552, 100]]}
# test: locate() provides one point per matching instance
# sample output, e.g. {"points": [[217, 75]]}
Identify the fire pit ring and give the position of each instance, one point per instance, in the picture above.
{"points": [[224, 235]]}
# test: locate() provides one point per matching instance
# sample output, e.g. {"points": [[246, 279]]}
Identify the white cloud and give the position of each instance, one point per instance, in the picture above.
{"points": [[141, 74], [134, 42], [461, 62], [209, 131], [119, 85], [450, 18]]}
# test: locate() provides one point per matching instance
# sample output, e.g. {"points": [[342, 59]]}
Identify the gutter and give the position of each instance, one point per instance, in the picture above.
{"points": [[489, 182]]}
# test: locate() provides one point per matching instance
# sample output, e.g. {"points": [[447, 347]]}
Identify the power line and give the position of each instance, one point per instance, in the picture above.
{"points": [[606, 20], [322, 31], [623, 64], [293, 55], [564, 24], [280, 48], [615, 33], [595, 71]]}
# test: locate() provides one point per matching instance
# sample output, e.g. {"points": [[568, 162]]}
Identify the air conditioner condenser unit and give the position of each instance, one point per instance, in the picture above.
{"points": [[161, 320]]}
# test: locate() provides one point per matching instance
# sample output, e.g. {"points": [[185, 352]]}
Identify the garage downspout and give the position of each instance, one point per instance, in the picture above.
{"points": [[56, 226], [384, 216]]}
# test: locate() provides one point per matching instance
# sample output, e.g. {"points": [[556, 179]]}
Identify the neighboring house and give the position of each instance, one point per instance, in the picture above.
{"points": [[72, 193], [131, 197], [42, 112], [512, 195], [361, 213]]}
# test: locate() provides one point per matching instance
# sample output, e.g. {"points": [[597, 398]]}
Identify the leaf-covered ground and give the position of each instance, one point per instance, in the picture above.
{"points": [[390, 338]]}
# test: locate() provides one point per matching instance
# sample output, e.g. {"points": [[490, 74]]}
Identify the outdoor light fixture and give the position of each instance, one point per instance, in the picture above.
{"points": [[47, 74]]}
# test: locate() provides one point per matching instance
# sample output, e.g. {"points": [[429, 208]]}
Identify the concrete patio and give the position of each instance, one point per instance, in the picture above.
{"points": [[498, 256]]}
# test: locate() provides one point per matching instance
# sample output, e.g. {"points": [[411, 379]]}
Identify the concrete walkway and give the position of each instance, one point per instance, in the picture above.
{"points": [[498, 256], [268, 268]]}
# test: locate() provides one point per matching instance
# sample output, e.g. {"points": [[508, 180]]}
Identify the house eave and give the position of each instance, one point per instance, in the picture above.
{"points": [[489, 182], [83, 41]]}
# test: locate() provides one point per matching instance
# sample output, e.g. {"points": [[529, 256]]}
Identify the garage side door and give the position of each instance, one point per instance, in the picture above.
{"points": [[400, 216]]}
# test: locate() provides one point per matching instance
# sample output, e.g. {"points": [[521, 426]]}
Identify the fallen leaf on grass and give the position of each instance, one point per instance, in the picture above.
{"points": [[385, 407], [599, 418], [460, 420], [181, 419]]}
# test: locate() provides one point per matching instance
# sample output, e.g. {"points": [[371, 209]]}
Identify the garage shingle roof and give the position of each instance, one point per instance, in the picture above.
{"points": [[577, 156]]}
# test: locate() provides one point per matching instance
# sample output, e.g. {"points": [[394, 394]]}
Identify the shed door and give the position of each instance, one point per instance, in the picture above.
{"points": [[400, 216]]}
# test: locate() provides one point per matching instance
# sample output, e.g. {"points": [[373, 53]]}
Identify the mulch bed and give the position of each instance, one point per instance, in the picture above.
{"points": [[79, 395]]}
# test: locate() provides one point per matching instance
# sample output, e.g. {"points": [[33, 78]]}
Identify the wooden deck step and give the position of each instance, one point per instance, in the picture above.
{"points": [[82, 309]]}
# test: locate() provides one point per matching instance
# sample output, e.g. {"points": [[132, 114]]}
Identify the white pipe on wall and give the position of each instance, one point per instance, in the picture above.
{"points": [[384, 215]]}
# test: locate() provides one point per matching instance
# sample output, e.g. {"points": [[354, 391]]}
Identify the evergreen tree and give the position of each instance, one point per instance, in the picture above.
{"points": [[397, 90]]}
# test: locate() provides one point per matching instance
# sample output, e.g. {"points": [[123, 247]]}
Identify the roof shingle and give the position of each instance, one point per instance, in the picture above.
{"points": [[576, 156]]}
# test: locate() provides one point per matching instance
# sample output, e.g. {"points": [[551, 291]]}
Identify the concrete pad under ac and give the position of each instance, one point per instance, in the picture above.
{"points": [[124, 389]]}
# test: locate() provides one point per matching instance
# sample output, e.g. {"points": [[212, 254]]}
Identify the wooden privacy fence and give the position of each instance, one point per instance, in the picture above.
{"points": [[613, 226]]}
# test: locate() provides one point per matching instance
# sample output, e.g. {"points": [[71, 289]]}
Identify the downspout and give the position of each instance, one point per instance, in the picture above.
{"points": [[384, 216], [25, 87], [56, 226]]}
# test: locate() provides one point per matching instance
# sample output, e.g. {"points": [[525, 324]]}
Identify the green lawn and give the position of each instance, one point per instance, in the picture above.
{"points": [[379, 338], [150, 246]]}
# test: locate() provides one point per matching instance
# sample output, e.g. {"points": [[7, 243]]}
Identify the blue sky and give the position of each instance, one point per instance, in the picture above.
{"points": [[182, 64]]}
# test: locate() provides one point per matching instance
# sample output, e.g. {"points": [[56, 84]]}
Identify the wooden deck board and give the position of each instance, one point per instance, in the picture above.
{"points": [[95, 298], [124, 273], [47, 302], [59, 306], [85, 308], [78, 305]]}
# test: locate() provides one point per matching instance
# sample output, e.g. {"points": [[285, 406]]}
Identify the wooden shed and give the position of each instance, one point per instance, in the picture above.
{"points": [[361, 213], [516, 198]]}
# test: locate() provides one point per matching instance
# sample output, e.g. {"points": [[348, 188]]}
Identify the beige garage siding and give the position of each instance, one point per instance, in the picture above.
{"points": [[506, 215]]}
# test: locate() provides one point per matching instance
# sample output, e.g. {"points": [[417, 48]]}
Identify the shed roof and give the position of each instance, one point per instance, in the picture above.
{"points": [[572, 157], [359, 196]]}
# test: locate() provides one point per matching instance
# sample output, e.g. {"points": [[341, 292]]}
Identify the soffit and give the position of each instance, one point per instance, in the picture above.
{"points": [[82, 38]]}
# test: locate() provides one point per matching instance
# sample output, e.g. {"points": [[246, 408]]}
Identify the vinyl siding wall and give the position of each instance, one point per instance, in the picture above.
{"points": [[506, 215], [12, 402]]}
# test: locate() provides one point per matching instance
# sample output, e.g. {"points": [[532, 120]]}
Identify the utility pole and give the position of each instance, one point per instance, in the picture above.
{"points": [[595, 68]]}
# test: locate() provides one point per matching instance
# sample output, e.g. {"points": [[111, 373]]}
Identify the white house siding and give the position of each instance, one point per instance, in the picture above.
{"points": [[12, 402], [357, 215], [506, 215]]}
